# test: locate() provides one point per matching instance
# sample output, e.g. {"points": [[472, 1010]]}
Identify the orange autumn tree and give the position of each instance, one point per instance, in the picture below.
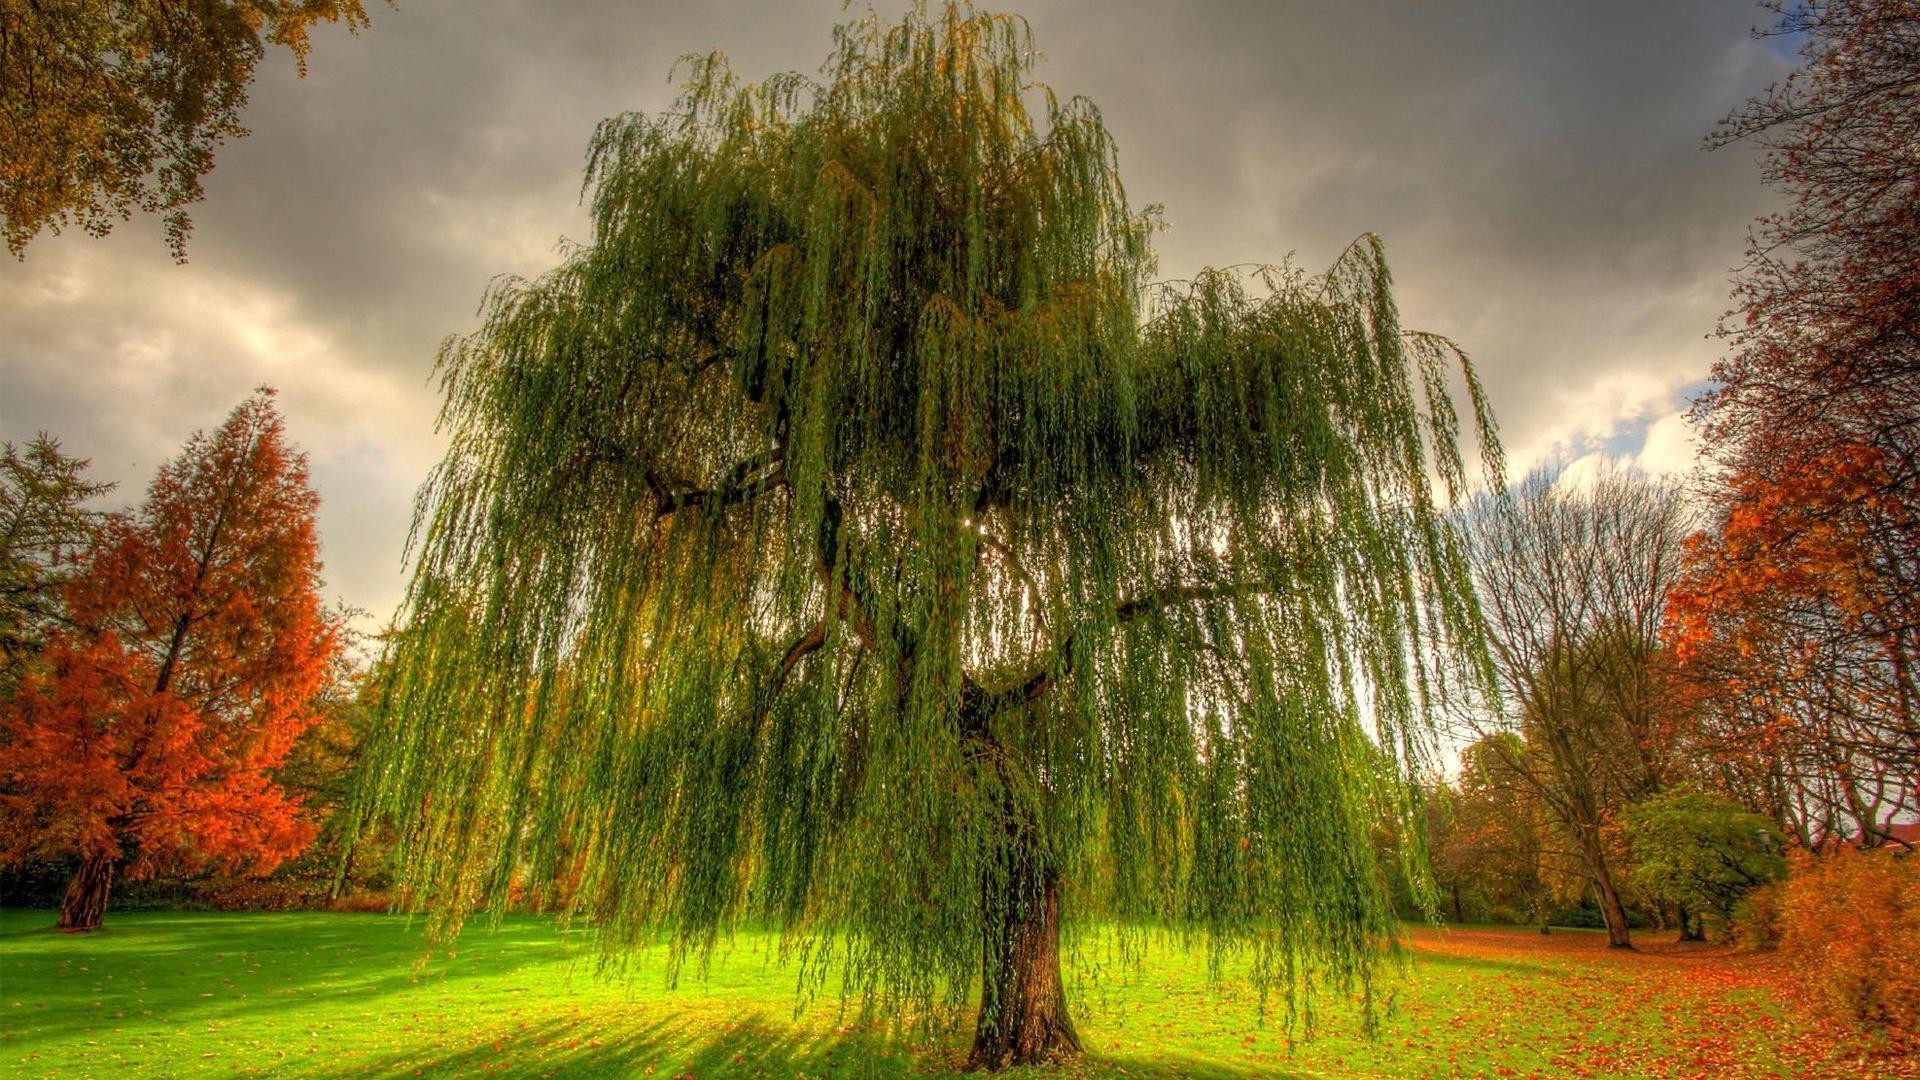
{"points": [[197, 648], [1797, 627]]}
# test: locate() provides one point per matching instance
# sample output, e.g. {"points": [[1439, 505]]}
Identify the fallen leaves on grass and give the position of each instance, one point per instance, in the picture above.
{"points": [[1715, 1011]]}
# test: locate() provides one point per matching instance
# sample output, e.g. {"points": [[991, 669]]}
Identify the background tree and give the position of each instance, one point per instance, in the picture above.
{"points": [[1499, 838], [198, 645], [321, 769], [1825, 332], [113, 106], [849, 537], [1574, 580], [1796, 689], [1702, 852], [45, 527], [1803, 607]]}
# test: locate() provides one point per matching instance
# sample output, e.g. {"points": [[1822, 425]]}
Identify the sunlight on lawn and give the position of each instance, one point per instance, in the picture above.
{"points": [[324, 995]]}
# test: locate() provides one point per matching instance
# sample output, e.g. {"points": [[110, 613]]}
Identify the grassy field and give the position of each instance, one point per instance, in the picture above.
{"points": [[319, 995]]}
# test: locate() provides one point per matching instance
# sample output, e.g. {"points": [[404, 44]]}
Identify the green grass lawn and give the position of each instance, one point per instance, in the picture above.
{"points": [[325, 995]]}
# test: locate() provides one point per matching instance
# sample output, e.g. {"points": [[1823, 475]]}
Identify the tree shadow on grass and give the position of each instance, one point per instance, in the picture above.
{"points": [[751, 1046], [1431, 962], [207, 968], [164, 972], [665, 1047]]}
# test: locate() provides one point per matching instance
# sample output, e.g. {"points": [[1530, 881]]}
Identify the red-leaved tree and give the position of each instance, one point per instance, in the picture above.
{"points": [[1826, 332], [1800, 615], [198, 647]]}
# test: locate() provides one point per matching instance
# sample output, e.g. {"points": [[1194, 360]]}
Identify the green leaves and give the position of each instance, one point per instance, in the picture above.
{"points": [[853, 490], [1702, 850]]}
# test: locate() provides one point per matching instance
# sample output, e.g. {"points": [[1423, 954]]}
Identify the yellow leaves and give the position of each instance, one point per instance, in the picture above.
{"points": [[128, 103]]}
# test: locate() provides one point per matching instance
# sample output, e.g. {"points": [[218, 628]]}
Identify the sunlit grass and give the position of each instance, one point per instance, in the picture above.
{"points": [[319, 995]]}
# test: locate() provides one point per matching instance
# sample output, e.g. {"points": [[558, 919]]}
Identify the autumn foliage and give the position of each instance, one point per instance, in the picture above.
{"points": [[113, 106], [1850, 924], [197, 646], [1799, 621], [1826, 331]]}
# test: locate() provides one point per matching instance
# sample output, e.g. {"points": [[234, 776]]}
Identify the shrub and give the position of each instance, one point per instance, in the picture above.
{"points": [[1756, 921], [1850, 925], [367, 903]]}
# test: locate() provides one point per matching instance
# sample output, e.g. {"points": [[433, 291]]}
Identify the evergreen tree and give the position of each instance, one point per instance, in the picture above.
{"points": [[850, 536], [45, 530]]}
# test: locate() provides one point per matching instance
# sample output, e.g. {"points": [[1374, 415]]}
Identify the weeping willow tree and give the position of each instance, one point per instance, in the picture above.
{"points": [[853, 539]]}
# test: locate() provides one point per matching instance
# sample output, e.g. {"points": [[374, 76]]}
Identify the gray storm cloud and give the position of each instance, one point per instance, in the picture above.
{"points": [[1535, 169]]}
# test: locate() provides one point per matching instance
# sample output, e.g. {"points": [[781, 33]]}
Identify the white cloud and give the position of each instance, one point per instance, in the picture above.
{"points": [[126, 357], [1671, 447], [1581, 472]]}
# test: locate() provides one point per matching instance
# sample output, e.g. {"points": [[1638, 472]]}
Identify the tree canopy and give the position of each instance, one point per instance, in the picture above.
{"points": [[1799, 616], [113, 106], [1703, 851], [852, 535]]}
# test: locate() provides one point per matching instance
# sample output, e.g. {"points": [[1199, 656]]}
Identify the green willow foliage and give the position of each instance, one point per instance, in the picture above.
{"points": [[852, 515]]}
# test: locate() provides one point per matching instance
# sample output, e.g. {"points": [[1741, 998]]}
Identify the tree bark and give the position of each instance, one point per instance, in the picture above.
{"points": [[339, 885], [1023, 1004], [1612, 910], [86, 899]]}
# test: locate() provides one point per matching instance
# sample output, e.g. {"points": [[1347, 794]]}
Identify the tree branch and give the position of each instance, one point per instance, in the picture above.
{"points": [[979, 705], [741, 485], [803, 646]]}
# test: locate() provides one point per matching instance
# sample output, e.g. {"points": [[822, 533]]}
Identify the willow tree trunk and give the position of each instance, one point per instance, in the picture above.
{"points": [[1023, 1002], [86, 899]]}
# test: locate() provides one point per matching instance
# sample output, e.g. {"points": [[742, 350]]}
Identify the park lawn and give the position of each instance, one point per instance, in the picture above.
{"points": [[335, 995]]}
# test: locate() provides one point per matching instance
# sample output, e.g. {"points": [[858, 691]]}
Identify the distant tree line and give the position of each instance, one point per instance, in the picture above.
{"points": [[1695, 681]]}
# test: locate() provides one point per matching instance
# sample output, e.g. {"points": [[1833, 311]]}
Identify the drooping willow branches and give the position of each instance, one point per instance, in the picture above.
{"points": [[850, 528]]}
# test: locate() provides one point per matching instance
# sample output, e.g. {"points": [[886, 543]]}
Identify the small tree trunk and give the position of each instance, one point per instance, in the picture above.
{"points": [[1613, 911], [1458, 915], [1690, 928], [86, 899], [339, 883], [1023, 1003]]}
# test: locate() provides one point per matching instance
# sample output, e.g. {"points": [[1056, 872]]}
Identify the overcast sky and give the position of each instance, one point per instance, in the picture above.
{"points": [[1535, 169]]}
